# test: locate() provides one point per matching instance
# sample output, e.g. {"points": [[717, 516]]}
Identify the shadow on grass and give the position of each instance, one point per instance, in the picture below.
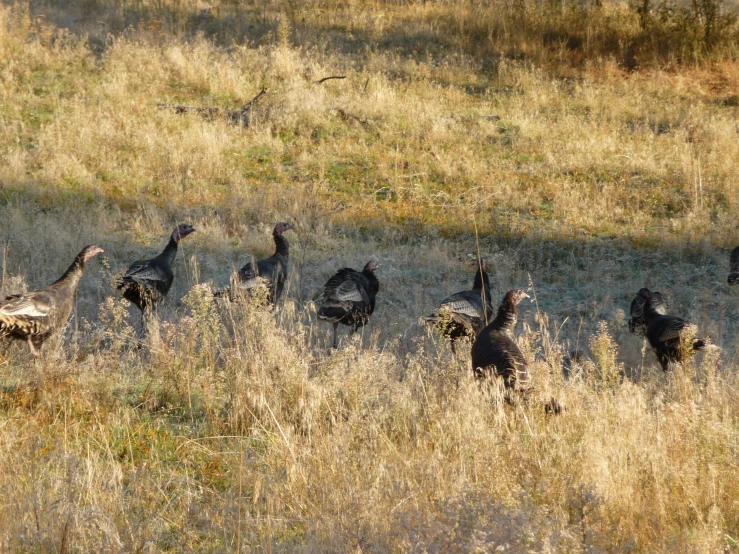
{"points": [[562, 39]]}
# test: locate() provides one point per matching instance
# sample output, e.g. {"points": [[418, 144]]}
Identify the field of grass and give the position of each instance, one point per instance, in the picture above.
{"points": [[583, 151]]}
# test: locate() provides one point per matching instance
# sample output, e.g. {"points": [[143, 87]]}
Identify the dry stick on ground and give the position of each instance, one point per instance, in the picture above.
{"points": [[250, 104], [346, 116], [241, 115], [319, 81]]}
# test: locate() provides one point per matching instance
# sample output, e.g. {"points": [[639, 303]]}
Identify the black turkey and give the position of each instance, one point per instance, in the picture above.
{"points": [[464, 313], [34, 316], [637, 323], [734, 269], [349, 297], [147, 282], [664, 333], [270, 272], [495, 350]]}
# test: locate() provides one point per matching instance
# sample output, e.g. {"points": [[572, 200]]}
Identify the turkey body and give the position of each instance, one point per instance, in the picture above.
{"points": [[147, 282], [270, 272], [349, 298], [465, 313], [664, 333], [495, 350], [637, 323], [35, 316]]}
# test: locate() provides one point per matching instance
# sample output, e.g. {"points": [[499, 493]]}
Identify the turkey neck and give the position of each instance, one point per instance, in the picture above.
{"points": [[374, 283], [506, 319], [283, 247], [72, 276], [170, 251], [482, 283]]}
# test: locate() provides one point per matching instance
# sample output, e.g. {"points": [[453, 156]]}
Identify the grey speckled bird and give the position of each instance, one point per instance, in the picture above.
{"points": [[34, 316]]}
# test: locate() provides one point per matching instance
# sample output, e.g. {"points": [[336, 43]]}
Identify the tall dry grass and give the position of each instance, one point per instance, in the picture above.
{"points": [[232, 430]]}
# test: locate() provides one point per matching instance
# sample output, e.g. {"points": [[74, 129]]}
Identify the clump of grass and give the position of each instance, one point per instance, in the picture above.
{"points": [[606, 369]]}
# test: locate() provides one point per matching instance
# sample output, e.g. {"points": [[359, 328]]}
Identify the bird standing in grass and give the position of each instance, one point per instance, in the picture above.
{"points": [[665, 333], [270, 272], [147, 282], [34, 316], [464, 313], [349, 297], [495, 350]]}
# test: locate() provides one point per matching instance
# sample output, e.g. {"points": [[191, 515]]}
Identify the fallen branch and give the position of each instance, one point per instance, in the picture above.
{"points": [[346, 116], [250, 104], [182, 108], [319, 81], [241, 115]]}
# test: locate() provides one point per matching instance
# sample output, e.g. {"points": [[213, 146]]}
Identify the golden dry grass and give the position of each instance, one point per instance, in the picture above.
{"points": [[232, 430]]}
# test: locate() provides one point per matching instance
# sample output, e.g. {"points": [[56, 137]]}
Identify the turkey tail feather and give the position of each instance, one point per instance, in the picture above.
{"points": [[331, 313], [700, 345]]}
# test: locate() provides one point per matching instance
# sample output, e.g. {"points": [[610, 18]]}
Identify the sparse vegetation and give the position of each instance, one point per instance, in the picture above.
{"points": [[584, 149]]}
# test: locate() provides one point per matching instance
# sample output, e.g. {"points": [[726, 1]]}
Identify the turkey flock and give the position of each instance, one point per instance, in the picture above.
{"points": [[348, 298]]}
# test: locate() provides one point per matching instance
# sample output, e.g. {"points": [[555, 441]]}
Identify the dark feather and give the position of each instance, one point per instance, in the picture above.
{"points": [[734, 267]]}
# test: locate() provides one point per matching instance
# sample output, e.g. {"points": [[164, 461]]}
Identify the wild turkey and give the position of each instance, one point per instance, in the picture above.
{"points": [[734, 269], [349, 297], [495, 349], [637, 324], [464, 313], [270, 272], [147, 282], [34, 316], [664, 334]]}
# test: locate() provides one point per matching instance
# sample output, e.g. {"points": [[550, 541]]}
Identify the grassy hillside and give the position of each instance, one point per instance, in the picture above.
{"points": [[585, 150]]}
